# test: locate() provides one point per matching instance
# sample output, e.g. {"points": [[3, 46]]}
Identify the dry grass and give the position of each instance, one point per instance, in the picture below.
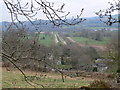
{"points": [[15, 79]]}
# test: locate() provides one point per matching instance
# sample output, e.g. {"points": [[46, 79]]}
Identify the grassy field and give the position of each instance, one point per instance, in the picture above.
{"points": [[83, 40], [14, 79], [46, 39]]}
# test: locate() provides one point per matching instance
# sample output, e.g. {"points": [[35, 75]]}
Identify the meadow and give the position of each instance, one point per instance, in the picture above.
{"points": [[83, 40], [14, 79], [46, 39]]}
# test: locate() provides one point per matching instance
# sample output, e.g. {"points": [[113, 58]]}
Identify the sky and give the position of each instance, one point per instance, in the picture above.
{"points": [[72, 6]]}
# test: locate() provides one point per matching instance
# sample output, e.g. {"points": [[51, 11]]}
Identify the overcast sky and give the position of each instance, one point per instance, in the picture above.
{"points": [[73, 6]]}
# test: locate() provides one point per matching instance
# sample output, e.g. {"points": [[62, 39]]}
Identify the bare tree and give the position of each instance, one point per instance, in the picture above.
{"points": [[17, 48]]}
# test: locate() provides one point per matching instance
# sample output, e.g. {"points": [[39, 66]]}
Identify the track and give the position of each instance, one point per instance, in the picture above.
{"points": [[83, 45], [56, 39], [59, 39]]}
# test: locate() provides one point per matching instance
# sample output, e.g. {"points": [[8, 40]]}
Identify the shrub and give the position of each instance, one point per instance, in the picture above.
{"points": [[99, 84]]}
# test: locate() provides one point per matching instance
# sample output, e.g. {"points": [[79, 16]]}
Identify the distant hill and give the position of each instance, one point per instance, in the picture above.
{"points": [[95, 22], [90, 23]]}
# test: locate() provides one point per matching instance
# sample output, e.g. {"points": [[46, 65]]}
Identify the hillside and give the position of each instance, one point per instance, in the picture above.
{"points": [[91, 23]]}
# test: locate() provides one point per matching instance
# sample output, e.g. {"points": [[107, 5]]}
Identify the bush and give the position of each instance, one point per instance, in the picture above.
{"points": [[99, 84], [95, 69]]}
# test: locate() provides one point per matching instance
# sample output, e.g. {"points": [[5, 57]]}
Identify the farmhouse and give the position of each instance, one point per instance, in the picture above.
{"points": [[101, 64]]}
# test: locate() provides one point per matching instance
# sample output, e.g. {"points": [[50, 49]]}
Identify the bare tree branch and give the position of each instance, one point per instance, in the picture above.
{"points": [[30, 10], [106, 15], [11, 60]]}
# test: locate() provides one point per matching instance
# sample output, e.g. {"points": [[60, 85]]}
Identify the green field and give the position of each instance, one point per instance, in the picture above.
{"points": [[46, 39], [14, 79], [83, 40]]}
